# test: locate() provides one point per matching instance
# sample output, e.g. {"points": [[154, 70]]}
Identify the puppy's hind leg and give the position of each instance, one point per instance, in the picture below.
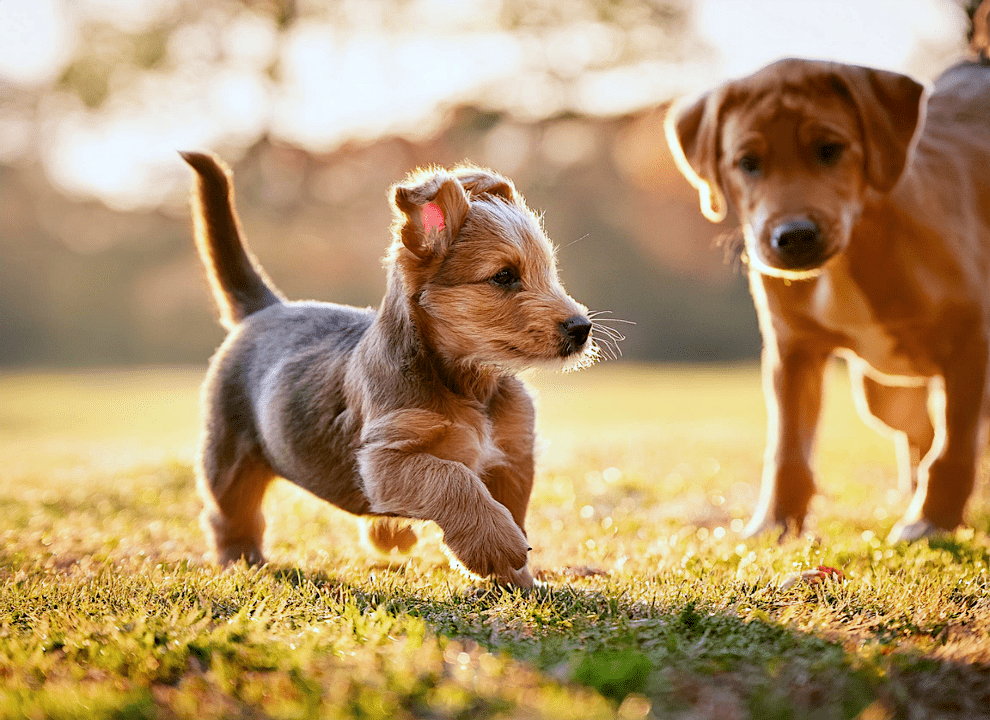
{"points": [[232, 485], [388, 533]]}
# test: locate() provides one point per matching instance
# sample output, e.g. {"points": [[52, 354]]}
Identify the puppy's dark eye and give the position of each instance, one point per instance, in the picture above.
{"points": [[506, 278], [828, 154], [750, 164]]}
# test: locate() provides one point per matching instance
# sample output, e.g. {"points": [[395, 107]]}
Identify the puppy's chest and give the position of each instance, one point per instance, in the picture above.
{"points": [[838, 304]]}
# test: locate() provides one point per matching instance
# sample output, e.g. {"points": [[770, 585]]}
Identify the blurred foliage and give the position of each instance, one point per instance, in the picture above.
{"points": [[625, 13], [81, 283], [108, 54]]}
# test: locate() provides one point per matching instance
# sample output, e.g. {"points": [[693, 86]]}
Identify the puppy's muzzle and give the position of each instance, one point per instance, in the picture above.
{"points": [[798, 244], [575, 331]]}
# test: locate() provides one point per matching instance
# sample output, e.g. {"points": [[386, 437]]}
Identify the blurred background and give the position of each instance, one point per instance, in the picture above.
{"points": [[320, 105]]}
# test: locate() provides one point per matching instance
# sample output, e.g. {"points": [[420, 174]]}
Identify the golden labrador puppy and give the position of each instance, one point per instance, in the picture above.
{"points": [[865, 208]]}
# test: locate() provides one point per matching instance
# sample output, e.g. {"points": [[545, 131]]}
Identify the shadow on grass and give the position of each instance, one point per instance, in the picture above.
{"points": [[679, 657]]}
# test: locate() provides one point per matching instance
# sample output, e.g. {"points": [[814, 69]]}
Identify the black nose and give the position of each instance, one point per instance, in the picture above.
{"points": [[796, 238], [576, 328]]}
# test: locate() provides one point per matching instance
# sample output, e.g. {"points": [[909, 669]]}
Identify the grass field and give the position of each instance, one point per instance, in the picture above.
{"points": [[650, 606]]}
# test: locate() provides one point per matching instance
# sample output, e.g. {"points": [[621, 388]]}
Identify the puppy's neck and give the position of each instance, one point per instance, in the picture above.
{"points": [[405, 332]]}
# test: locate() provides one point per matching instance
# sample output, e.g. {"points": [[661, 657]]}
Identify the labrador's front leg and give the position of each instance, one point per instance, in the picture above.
{"points": [[792, 388]]}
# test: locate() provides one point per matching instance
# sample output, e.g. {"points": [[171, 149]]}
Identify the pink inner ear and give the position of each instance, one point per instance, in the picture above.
{"points": [[432, 217]]}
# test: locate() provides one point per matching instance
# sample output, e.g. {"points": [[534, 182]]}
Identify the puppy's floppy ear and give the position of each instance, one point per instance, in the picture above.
{"points": [[692, 130], [481, 182], [890, 110], [430, 209]]}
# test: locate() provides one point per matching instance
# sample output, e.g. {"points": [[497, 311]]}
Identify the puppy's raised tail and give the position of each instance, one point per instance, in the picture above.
{"points": [[239, 285]]}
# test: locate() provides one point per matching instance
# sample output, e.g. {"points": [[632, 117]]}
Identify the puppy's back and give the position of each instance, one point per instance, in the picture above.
{"points": [[278, 383]]}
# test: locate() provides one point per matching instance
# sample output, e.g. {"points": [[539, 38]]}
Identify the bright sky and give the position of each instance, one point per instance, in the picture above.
{"points": [[364, 83], [914, 36]]}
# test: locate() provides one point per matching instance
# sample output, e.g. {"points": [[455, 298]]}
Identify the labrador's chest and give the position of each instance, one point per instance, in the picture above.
{"points": [[839, 305]]}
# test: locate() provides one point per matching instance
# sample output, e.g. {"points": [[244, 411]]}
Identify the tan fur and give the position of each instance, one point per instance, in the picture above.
{"points": [[878, 251], [411, 411]]}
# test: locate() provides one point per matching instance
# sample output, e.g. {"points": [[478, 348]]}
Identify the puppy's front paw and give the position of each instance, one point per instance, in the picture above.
{"points": [[520, 578], [491, 545], [909, 531]]}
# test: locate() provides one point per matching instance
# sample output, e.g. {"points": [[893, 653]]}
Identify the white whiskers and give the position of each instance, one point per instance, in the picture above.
{"points": [[606, 337]]}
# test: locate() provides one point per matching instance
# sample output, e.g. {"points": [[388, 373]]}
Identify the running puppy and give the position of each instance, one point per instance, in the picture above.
{"points": [[408, 412], [865, 208]]}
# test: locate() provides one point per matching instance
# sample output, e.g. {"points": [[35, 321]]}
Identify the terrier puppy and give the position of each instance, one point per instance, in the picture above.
{"points": [[410, 411]]}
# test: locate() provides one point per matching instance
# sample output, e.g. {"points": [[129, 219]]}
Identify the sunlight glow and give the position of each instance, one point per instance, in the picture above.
{"points": [[339, 86], [381, 69], [880, 33], [38, 41]]}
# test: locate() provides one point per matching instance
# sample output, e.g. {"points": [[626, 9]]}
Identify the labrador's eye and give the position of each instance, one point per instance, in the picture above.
{"points": [[828, 154], [506, 278], [750, 164]]}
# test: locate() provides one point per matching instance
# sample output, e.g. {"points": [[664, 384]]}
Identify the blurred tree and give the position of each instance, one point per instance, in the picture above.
{"points": [[320, 105]]}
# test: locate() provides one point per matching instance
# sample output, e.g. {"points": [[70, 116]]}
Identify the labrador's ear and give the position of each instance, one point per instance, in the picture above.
{"points": [[693, 129], [429, 209], [891, 109]]}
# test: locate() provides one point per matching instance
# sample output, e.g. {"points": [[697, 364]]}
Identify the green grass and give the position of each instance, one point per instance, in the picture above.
{"points": [[650, 605]]}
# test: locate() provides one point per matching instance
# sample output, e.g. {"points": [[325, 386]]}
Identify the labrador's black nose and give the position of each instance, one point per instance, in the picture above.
{"points": [[795, 237], [798, 244], [576, 329]]}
